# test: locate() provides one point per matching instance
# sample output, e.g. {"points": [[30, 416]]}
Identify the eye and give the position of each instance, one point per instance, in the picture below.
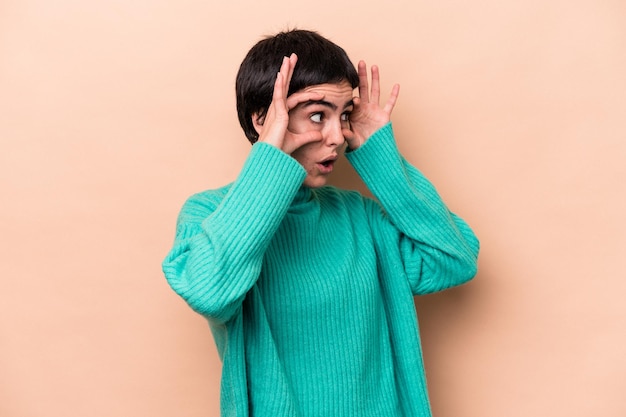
{"points": [[345, 117], [316, 117]]}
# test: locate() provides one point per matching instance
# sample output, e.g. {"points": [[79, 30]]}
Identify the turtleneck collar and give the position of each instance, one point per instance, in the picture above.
{"points": [[302, 200], [303, 195]]}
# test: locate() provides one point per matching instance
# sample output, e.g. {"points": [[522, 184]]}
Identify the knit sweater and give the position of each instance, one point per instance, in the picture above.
{"points": [[309, 292]]}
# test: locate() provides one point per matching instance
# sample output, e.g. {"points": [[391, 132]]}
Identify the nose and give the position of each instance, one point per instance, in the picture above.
{"points": [[334, 136]]}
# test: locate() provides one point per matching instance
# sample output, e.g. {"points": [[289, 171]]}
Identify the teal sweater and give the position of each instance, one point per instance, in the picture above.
{"points": [[309, 292]]}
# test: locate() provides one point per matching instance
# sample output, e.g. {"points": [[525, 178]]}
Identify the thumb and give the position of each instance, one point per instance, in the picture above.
{"points": [[351, 138], [295, 141]]}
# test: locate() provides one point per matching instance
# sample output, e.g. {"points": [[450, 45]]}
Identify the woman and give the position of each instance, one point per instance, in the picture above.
{"points": [[308, 289]]}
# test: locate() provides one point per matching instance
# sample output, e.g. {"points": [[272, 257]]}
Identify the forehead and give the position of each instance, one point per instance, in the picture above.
{"points": [[341, 92]]}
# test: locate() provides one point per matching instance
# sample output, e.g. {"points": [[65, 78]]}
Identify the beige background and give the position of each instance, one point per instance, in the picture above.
{"points": [[113, 112]]}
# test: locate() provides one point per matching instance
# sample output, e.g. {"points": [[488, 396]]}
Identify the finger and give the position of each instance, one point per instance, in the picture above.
{"points": [[348, 135], [351, 138], [285, 71], [292, 60], [393, 97], [375, 92], [277, 108], [356, 111], [281, 85], [284, 66], [302, 97], [295, 141], [363, 85], [278, 85]]}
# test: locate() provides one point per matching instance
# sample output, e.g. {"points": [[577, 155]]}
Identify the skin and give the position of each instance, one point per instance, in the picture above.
{"points": [[313, 124]]}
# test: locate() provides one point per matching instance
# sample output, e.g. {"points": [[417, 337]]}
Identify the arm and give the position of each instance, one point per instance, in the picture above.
{"points": [[220, 242], [439, 249]]}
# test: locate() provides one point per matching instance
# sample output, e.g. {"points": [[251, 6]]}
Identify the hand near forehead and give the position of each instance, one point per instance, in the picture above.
{"points": [[368, 116], [273, 126]]}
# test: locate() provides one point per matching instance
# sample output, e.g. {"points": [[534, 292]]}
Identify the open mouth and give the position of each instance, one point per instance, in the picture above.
{"points": [[326, 166]]}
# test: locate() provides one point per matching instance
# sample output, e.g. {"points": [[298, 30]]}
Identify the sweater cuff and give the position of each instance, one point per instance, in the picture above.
{"points": [[402, 189], [378, 160]]}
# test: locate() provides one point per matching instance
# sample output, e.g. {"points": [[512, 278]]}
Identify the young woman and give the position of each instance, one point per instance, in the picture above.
{"points": [[308, 289]]}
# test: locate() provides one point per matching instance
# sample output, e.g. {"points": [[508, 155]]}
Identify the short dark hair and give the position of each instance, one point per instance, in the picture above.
{"points": [[320, 61]]}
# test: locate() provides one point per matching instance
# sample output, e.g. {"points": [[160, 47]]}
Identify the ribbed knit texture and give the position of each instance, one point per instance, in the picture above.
{"points": [[309, 293]]}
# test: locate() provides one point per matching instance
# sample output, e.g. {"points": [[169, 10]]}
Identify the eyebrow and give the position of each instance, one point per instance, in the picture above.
{"points": [[328, 104]]}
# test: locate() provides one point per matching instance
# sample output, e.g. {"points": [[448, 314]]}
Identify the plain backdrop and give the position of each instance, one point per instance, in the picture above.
{"points": [[113, 112]]}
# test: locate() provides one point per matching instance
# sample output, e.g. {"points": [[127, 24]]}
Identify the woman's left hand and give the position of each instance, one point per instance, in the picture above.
{"points": [[367, 116]]}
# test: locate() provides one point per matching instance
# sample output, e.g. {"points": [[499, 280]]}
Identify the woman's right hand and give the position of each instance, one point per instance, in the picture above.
{"points": [[273, 127]]}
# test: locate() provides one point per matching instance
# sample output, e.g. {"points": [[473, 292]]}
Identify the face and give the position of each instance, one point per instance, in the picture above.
{"points": [[328, 116]]}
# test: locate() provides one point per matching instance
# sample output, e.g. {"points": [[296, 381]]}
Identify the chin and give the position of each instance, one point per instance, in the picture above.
{"points": [[315, 182]]}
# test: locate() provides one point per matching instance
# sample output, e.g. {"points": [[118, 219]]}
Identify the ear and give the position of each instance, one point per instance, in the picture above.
{"points": [[257, 122]]}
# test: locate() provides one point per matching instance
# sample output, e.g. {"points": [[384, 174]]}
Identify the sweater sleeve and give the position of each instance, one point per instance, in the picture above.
{"points": [[438, 249], [220, 241]]}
